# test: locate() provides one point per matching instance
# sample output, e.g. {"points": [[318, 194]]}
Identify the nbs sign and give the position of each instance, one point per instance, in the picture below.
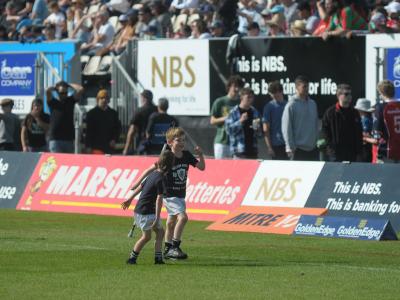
{"points": [[178, 71]]}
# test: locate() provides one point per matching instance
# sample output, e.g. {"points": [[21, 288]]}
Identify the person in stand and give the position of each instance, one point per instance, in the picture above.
{"points": [[159, 123], [138, 125], [102, 126], [35, 128], [61, 104], [10, 127]]}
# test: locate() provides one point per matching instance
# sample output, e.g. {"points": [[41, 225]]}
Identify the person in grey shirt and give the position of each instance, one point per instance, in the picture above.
{"points": [[300, 123]]}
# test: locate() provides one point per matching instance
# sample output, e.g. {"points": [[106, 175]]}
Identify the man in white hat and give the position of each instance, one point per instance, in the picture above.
{"points": [[364, 109], [393, 10]]}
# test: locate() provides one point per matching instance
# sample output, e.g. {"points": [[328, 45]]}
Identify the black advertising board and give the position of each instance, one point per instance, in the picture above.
{"points": [[15, 170], [262, 60], [359, 190]]}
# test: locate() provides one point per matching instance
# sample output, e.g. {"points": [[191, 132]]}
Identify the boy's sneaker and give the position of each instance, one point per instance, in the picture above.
{"points": [[131, 261], [176, 253]]}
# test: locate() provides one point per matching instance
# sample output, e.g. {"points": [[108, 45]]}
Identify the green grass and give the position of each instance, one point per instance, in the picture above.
{"points": [[68, 256]]}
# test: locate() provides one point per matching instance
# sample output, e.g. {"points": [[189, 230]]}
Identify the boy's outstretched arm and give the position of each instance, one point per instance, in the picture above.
{"points": [[159, 203], [143, 176], [125, 205], [201, 165]]}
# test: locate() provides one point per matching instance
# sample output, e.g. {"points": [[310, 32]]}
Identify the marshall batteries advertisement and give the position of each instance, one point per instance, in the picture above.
{"points": [[99, 184], [259, 61], [17, 79]]}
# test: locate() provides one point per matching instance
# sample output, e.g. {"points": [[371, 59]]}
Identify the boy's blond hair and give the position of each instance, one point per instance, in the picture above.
{"points": [[386, 88], [174, 132]]}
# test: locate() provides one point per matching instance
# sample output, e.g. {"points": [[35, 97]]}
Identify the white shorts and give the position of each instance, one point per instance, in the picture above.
{"points": [[222, 151], [144, 222], [175, 205]]}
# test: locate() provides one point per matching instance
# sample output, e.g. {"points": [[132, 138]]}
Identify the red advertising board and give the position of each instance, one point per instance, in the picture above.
{"points": [[94, 184], [279, 220]]}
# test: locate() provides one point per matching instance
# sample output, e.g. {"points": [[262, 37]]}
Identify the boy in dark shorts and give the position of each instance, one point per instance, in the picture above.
{"points": [[174, 200], [148, 207]]}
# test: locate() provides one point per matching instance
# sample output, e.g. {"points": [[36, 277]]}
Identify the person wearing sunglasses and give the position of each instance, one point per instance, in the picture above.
{"points": [[61, 100], [341, 128]]}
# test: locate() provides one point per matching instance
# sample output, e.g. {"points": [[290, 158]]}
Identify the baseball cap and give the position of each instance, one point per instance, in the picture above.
{"points": [[277, 9], [217, 24], [123, 18]]}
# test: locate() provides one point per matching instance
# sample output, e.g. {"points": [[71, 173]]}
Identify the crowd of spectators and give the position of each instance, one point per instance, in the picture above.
{"points": [[106, 26]]}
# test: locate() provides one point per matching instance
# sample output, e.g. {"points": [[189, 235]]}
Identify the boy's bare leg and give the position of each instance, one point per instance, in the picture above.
{"points": [[159, 239], [169, 233], [146, 236], [180, 225]]}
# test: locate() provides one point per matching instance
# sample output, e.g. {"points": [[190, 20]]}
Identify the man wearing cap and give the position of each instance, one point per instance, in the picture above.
{"points": [[217, 29], [138, 125], [364, 109], [10, 127], [61, 104], [102, 126], [341, 128], [146, 19], [159, 123]]}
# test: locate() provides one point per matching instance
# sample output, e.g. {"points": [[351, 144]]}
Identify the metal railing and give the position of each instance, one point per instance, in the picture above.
{"points": [[124, 93]]}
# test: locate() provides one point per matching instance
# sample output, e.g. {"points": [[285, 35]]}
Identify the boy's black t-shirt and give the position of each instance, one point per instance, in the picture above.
{"points": [[176, 178], [152, 186]]}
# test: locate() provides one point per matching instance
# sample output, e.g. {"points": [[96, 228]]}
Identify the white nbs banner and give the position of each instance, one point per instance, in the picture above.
{"points": [[179, 71]]}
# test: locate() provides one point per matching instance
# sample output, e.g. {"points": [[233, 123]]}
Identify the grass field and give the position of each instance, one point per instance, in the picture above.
{"points": [[67, 256]]}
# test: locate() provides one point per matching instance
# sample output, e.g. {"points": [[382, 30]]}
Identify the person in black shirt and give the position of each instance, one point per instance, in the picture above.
{"points": [[102, 126], [34, 128], [176, 190], [159, 123], [62, 116], [138, 124], [148, 207]]}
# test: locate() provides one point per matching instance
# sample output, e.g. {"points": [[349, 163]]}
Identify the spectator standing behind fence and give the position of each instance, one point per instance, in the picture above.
{"points": [[243, 126], [61, 133], [102, 126], [300, 123], [272, 122], [138, 125], [159, 123], [10, 127], [220, 111], [34, 128], [341, 128], [386, 124], [364, 109]]}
